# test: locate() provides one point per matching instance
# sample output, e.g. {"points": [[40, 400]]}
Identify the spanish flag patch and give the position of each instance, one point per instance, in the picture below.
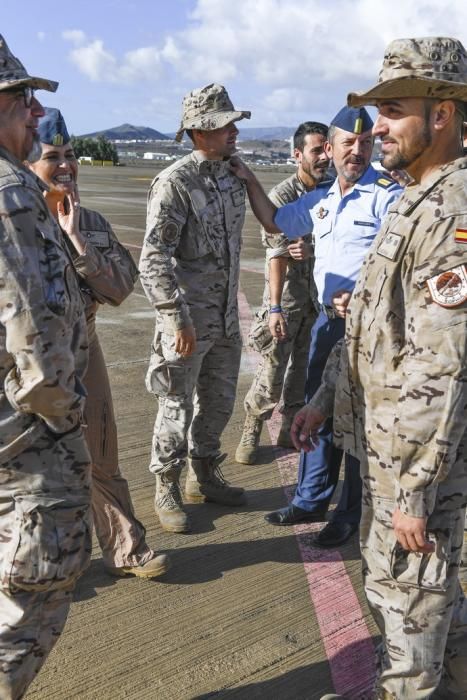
{"points": [[461, 235]]}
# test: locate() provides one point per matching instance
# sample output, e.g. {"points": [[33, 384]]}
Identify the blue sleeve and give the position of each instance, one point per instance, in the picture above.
{"points": [[388, 198], [294, 219]]}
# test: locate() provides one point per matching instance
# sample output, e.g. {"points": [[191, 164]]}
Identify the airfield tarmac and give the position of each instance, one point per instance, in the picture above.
{"points": [[247, 610]]}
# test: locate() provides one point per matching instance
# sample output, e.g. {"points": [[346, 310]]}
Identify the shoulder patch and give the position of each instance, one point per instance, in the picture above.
{"points": [[449, 289], [461, 235], [385, 182]]}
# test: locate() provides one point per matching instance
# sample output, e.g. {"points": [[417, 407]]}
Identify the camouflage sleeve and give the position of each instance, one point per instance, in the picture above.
{"points": [[33, 297], [323, 399], [434, 372], [110, 271], [167, 214]]}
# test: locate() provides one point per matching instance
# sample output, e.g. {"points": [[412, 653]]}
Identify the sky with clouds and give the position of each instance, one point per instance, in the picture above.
{"points": [[285, 60]]}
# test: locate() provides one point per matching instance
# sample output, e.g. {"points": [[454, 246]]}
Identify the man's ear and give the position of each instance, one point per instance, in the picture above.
{"points": [[328, 149], [443, 113]]}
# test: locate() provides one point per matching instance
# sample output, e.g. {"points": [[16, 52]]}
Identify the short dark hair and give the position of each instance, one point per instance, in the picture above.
{"points": [[305, 129]]}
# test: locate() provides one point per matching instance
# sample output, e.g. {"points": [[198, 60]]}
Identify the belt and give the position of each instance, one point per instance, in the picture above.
{"points": [[329, 311]]}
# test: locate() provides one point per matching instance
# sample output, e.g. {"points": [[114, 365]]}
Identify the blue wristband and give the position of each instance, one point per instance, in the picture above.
{"points": [[277, 309]]}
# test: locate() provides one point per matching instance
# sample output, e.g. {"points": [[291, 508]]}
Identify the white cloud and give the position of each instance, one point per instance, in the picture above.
{"points": [[142, 64], [94, 61], [284, 59], [284, 43], [76, 36], [41, 36], [100, 65]]}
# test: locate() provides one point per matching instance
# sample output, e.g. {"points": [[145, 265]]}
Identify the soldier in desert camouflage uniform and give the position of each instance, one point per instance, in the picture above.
{"points": [[189, 270], [107, 274], [44, 468], [401, 390], [283, 325]]}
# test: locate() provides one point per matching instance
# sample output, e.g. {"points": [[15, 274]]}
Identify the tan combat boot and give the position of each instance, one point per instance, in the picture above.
{"points": [[155, 565], [205, 482], [168, 503], [247, 449], [284, 439]]}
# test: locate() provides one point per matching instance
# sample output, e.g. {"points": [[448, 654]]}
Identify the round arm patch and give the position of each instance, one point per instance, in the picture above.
{"points": [[449, 288]]}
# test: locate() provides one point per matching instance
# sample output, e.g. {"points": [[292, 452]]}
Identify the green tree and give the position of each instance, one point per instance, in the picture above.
{"points": [[99, 149]]}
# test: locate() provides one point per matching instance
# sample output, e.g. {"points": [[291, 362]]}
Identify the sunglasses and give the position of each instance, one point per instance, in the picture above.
{"points": [[26, 91]]}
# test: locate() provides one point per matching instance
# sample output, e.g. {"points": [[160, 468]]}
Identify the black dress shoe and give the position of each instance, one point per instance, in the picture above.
{"points": [[293, 514], [333, 534]]}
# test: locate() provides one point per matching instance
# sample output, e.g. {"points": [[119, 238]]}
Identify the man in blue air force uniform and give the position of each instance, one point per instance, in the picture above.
{"points": [[345, 217]]}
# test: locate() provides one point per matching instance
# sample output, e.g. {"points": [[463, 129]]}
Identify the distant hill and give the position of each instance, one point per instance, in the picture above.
{"points": [[265, 133], [262, 133], [128, 132]]}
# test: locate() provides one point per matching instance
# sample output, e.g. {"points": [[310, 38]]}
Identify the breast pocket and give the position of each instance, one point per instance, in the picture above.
{"points": [[322, 228], [363, 234]]}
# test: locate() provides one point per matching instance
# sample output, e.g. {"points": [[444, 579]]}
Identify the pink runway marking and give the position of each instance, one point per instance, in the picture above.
{"points": [[344, 632]]}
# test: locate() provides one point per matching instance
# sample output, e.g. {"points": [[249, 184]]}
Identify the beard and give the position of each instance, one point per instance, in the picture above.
{"points": [[352, 176], [36, 150], [404, 157], [318, 174]]}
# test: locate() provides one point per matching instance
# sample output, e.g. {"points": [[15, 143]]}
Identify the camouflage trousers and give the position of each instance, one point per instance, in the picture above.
{"points": [[120, 534], [281, 372], [196, 399], [418, 605], [45, 545]]}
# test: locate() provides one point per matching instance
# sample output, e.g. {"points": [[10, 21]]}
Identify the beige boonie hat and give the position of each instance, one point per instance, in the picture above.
{"points": [[13, 73], [430, 66], [208, 108]]}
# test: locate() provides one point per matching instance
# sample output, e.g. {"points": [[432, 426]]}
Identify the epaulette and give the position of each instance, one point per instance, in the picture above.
{"points": [[385, 181]]}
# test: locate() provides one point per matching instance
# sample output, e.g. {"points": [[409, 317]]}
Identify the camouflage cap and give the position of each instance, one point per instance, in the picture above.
{"points": [[425, 67], [13, 73], [208, 108]]}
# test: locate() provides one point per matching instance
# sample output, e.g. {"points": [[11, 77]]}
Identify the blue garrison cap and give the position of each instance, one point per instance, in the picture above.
{"points": [[353, 119], [52, 128]]}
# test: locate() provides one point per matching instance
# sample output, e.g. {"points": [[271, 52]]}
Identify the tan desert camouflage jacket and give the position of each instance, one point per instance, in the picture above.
{"points": [[190, 259], [106, 269], [401, 388], [43, 341], [299, 287]]}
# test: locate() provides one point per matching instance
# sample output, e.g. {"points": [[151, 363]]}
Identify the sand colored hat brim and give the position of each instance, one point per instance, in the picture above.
{"points": [[409, 86], [30, 81], [211, 121]]}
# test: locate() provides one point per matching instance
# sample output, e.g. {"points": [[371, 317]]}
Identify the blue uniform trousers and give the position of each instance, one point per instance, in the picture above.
{"points": [[319, 470]]}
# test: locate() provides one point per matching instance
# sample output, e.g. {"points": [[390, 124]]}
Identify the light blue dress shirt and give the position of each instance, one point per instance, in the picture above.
{"points": [[343, 227]]}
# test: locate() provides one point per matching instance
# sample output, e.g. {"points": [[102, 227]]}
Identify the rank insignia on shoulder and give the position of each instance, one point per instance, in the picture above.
{"points": [[449, 289], [461, 235], [385, 182], [322, 213]]}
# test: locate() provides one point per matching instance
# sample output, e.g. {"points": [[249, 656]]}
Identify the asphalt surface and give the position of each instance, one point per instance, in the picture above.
{"points": [[247, 610]]}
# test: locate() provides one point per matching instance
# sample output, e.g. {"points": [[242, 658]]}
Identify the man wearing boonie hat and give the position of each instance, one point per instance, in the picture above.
{"points": [[189, 269], [44, 461], [344, 217], [401, 389]]}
